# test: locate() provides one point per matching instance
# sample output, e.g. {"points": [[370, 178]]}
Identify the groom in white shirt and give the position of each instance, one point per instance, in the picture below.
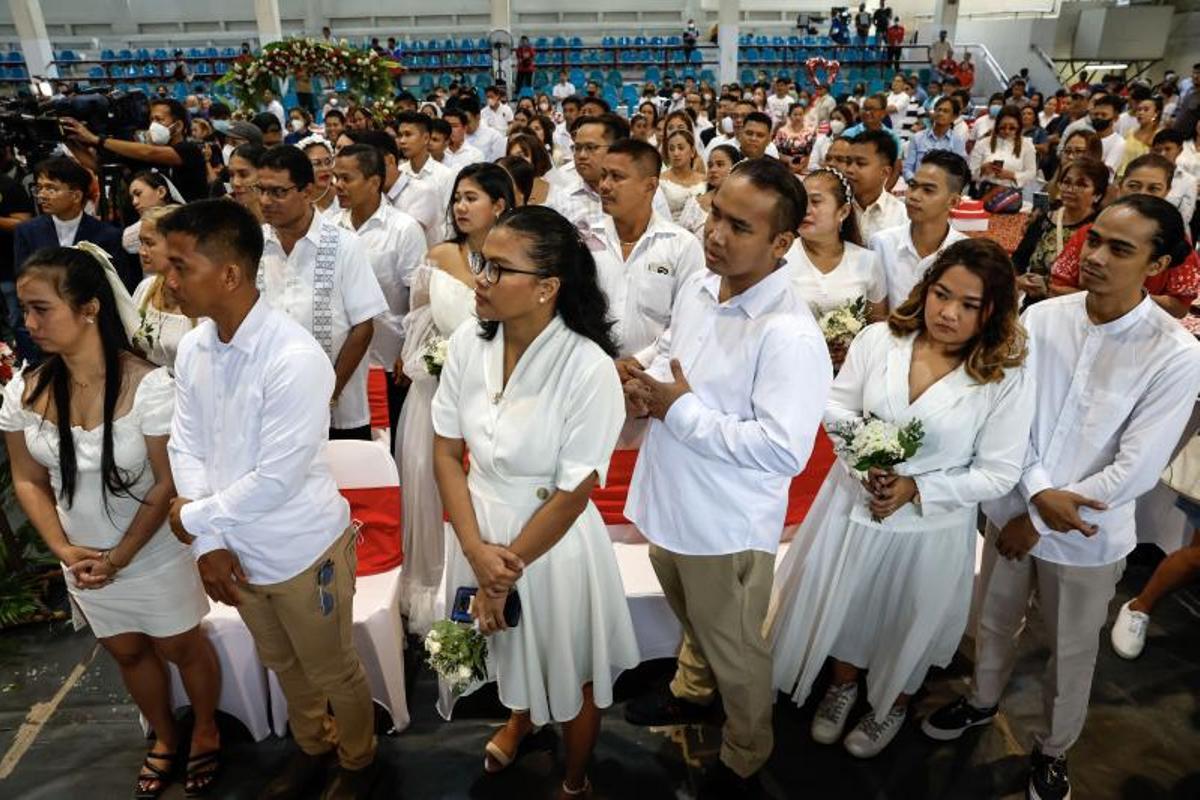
{"points": [[1117, 378], [736, 391], [257, 501]]}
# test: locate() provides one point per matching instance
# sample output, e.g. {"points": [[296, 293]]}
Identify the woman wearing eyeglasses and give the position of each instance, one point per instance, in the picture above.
{"points": [[320, 154], [442, 297], [1005, 159], [531, 393]]}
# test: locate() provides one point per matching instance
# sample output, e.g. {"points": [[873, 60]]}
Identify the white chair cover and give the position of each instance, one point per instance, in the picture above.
{"points": [[378, 629]]}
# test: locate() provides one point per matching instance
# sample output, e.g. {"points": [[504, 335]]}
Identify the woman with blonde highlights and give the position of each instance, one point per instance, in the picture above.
{"points": [[879, 576]]}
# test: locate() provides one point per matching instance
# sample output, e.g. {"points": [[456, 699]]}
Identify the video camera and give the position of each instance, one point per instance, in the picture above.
{"points": [[31, 125]]}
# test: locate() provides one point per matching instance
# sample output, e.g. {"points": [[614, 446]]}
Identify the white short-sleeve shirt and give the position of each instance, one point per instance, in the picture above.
{"points": [[860, 274]]}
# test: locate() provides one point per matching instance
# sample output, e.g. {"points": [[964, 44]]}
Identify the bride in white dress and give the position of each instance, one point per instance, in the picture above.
{"points": [[892, 597], [442, 297], [100, 501], [533, 396]]}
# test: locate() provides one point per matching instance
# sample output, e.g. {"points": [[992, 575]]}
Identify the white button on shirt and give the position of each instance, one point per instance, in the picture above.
{"points": [[395, 245], [712, 478], [250, 426], [642, 289], [902, 267], [1112, 402], [887, 211], [859, 274], [288, 286]]}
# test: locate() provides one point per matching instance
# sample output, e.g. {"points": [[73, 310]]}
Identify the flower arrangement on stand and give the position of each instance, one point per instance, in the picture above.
{"points": [[368, 75]]}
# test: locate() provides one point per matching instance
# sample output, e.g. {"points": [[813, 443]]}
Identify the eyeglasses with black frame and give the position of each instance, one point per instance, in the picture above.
{"points": [[492, 271]]}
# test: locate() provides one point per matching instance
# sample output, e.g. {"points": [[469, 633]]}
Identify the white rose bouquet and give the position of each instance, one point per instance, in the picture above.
{"points": [[873, 443], [457, 653], [840, 325], [434, 355]]}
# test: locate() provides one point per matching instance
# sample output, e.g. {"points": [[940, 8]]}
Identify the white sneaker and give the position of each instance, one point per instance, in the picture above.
{"points": [[1129, 632], [831, 716], [869, 737]]}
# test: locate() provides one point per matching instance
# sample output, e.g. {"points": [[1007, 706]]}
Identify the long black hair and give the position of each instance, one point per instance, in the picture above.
{"points": [[496, 184], [557, 250], [79, 278]]}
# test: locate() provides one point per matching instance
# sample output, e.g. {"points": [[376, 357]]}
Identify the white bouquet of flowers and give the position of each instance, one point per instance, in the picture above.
{"points": [[840, 325], [457, 653], [434, 355], [872, 442]]}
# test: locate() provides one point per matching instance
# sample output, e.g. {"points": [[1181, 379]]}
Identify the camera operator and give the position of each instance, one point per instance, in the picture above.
{"points": [[167, 148]]}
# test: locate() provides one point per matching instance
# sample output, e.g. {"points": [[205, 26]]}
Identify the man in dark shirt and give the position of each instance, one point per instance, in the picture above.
{"points": [[15, 208], [166, 148], [883, 20]]}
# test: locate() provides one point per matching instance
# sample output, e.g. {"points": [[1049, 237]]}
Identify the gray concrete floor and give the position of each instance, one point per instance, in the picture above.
{"points": [[1142, 740]]}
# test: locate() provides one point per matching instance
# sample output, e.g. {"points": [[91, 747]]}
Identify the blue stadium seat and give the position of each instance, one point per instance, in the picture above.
{"points": [[204, 68], [614, 78], [639, 41], [222, 67], [195, 52], [560, 41], [108, 55], [708, 75], [125, 55], [674, 41], [747, 77], [745, 39], [653, 75], [577, 79], [751, 55], [657, 41], [576, 41], [15, 57], [541, 41], [678, 57], [426, 83], [96, 73], [148, 71], [526, 91], [229, 52], [696, 57]]}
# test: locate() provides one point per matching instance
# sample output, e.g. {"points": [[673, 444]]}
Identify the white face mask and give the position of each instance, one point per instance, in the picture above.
{"points": [[297, 125], [836, 126], [544, 106], [227, 153], [159, 133], [727, 125]]}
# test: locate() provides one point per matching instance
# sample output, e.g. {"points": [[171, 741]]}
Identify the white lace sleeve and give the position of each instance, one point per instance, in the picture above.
{"points": [[693, 217]]}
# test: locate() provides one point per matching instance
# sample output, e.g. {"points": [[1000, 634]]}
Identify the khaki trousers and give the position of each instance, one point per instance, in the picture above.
{"points": [[314, 656], [1074, 607], [721, 602]]}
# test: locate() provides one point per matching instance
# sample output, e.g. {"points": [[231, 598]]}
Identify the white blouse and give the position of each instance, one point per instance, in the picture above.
{"points": [[160, 332], [860, 274], [1023, 166]]}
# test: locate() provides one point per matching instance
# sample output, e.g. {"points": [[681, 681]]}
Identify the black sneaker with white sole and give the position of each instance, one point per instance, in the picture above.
{"points": [[1048, 779], [950, 721]]}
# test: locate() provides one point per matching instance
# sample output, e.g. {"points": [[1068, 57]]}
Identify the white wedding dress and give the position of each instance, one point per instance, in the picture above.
{"points": [[439, 304], [893, 597], [159, 592], [553, 424]]}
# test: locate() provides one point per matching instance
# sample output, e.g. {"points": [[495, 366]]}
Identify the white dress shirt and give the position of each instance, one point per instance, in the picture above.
{"points": [[564, 145], [777, 108], [288, 286], [489, 141], [641, 290], [395, 245], [497, 118], [712, 478], [900, 101], [66, 229], [721, 139], [250, 426], [1112, 152], [887, 211], [422, 201], [457, 159], [580, 204], [1024, 166], [1112, 402], [438, 175], [563, 90], [859, 274], [1183, 194], [902, 266]]}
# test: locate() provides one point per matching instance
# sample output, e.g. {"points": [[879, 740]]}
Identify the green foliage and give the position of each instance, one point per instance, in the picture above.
{"points": [[457, 653]]}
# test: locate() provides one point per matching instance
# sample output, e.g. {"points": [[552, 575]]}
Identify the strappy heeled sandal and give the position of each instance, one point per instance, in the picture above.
{"points": [[151, 786], [493, 754], [202, 772], [582, 791]]}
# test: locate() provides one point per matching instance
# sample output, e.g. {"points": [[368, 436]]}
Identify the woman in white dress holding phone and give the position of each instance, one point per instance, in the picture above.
{"points": [[442, 298], [532, 394], [892, 597]]}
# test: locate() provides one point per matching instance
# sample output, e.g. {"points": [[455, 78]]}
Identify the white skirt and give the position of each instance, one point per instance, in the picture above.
{"points": [[575, 626], [423, 526], [166, 601], [892, 602]]}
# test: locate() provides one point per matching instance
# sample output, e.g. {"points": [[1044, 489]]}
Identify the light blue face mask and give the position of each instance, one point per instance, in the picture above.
{"points": [[994, 111]]}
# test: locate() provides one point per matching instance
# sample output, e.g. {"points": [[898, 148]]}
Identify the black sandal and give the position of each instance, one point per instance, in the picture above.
{"points": [[150, 787], [202, 772]]}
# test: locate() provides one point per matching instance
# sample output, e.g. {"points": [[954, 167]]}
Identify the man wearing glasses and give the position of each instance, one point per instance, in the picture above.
{"points": [[319, 274]]}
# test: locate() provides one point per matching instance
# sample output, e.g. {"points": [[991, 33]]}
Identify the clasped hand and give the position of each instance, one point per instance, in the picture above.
{"points": [[645, 396], [889, 491], [496, 568], [1059, 509]]}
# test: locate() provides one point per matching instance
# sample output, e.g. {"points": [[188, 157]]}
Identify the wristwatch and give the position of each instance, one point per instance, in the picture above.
{"points": [[103, 140]]}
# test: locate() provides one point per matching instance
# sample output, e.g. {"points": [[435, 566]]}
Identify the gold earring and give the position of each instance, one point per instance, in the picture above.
{"points": [[541, 299]]}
